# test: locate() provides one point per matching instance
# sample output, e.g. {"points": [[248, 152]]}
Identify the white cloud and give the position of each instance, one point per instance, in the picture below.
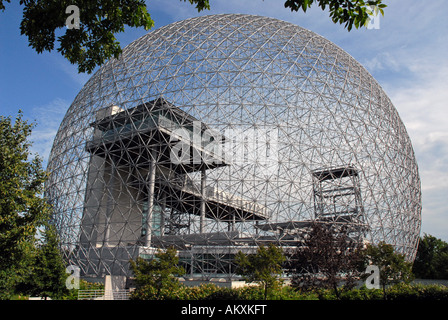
{"points": [[408, 58], [47, 118], [423, 106], [383, 61]]}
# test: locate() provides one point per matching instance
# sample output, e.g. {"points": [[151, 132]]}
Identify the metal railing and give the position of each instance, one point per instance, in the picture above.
{"points": [[103, 295], [90, 294]]}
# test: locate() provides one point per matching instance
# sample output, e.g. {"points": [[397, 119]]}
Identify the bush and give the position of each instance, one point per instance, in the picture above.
{"points": [[400, 291], [201, 292], [83, 285], [362, 294], [417, 292], [182, 292], [224, 294], [396, 292], [251, 293]]}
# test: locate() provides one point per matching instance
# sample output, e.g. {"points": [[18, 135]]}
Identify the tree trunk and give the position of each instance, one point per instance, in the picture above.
{"points": [[336, 291]]}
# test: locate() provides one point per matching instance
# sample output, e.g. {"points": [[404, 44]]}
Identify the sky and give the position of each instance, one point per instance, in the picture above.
{"points": [[407, 55]]}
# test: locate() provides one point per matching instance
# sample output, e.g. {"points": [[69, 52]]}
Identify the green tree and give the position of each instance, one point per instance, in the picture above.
{"points": [[47, 273], [158, 274], [94, 41], [352, 13], [392, 265], [264, 267], [327, 258], [431, 261], [22, 208]]}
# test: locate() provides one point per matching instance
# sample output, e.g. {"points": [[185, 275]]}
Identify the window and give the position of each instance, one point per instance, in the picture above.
{"points": [[156, 219]]}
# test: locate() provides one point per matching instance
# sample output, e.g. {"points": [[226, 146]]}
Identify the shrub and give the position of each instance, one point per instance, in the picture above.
{"points": [[251, 293], [224, 294], [362, 294], [401, 291], [200, 292], [290, 293], [264, 267], [417, 292], [209, 291]]}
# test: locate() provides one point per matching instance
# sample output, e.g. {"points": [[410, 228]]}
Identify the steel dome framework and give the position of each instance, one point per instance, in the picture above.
{"points": [[220, 133]]}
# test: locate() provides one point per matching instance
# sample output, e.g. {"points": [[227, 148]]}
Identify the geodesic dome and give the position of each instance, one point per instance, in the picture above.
{"points": [[220, 133]]}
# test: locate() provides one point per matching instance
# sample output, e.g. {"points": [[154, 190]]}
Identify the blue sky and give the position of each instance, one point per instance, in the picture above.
{"points": [[407, 56]]}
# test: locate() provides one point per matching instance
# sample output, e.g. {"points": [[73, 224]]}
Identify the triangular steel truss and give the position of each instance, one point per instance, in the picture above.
{"points": [[221, 133]]}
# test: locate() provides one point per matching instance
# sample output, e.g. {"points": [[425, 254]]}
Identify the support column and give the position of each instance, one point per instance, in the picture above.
{"points": [[203, 181], [162, 215], [110, 203], [151, 184]]}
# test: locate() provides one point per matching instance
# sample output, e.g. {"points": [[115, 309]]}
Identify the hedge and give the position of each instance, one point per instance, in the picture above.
{"points": [[396, 292], [213, 292]]}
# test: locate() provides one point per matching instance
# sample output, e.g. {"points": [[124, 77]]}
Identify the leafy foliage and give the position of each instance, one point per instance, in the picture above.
{"points": [[406, 291], [327, 258], [100, 20], [431, 261], [46, 277], [22, 208], [157, 278], [83, 285], [351, 13], [200, 4], [94, 41], [263, 267], [393, 266], [266, 265], [397, 292], [211, 291]]}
